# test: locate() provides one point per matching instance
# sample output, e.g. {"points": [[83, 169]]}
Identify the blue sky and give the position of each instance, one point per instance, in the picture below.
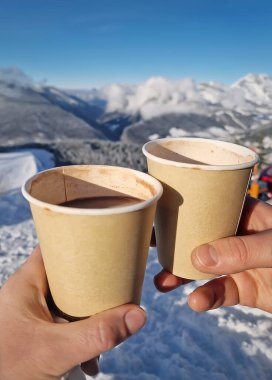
{"points": [[88, 43]]}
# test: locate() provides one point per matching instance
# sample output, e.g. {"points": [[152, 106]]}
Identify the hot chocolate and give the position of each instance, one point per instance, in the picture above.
{"points": [[102, 202]]}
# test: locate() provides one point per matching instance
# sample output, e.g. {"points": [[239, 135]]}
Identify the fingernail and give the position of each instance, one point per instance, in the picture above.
{"points": [[205, 256], [135, 319]]}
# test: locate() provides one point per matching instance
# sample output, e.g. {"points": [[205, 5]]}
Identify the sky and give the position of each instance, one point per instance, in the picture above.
{"points": [[90, 43]]}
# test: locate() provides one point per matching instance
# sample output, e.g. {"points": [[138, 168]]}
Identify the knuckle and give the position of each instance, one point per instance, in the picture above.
{"points": [[239, 250], [103, 336]]}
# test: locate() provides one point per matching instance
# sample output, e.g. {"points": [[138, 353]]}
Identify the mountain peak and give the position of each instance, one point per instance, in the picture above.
{"points": [[253, 78], [13, 76], [257, 88]]}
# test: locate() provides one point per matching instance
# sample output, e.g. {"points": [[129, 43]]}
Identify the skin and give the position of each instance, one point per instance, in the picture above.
{"points": [[34, 347], [245, 260]]}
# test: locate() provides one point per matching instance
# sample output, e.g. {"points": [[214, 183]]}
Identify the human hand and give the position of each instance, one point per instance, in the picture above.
{"points": [[33, 346], [245, 260]]}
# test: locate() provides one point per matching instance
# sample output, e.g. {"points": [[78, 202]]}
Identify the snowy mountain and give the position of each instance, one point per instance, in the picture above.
{"points": [[257, 89], [158, 96], [159, 107], [241, 112], [36, 113], [14, 76]]}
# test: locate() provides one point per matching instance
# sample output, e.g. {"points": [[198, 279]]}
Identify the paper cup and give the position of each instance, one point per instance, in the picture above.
{"points": [[95, 259], [204, 187]]}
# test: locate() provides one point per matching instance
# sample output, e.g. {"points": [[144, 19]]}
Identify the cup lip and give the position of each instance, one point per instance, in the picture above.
{"points": [[234, 148], [89, 211]]}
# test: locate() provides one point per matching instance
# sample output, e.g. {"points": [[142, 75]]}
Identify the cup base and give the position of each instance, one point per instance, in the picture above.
{"points": [[194, 276]]}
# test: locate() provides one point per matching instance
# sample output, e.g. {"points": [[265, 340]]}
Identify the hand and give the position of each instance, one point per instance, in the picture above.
{"points": [[246, 260], [33, 346]]}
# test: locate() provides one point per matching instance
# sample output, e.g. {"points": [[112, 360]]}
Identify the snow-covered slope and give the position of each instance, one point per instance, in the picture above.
{"points": [[15, 168], [31, 113]]}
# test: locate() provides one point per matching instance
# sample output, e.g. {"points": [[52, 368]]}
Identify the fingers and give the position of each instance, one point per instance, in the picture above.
{"points": [[34, 261], [234, 254], [87, 339], [165, 281], [219, 292], [256, 216]]}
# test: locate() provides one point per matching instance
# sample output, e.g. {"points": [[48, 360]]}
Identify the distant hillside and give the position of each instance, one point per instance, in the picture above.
{"points": [[98, 152], [189, 124], [228, 126], [37, 115]]}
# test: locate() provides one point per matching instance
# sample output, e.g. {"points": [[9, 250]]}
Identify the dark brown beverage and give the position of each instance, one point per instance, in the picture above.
{"points": [[102, 202]]}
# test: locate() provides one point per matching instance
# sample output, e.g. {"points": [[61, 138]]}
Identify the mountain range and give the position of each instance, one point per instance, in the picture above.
{"points": [[241, 112]]}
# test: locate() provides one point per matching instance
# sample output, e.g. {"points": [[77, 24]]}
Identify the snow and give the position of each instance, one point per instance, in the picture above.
{"points": [[230, 129], [159, 95], [176, 343], [154, 97], [267, 142], [267, 158], [257, 88], [217, 132], [154, 136], [177, 132], [113, 127], [62, 96], [14, 76], [15, 168]]}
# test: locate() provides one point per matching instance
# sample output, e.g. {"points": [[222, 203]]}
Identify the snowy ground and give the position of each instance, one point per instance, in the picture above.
{"points": [[176, 343]]}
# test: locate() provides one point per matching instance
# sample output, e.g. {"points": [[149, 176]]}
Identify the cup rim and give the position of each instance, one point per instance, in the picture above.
{"points": [[234, 148], [89, 211]]}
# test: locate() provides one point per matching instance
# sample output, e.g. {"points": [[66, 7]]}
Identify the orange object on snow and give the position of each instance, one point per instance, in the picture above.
{"points": [[254, 189]]}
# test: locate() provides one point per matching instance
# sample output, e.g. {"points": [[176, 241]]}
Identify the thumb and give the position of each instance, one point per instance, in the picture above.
{"points": [[235, 254], [83, 340]]}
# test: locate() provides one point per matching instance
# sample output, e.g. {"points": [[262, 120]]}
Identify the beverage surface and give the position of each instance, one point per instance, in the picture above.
{"points": [[102, 202]]}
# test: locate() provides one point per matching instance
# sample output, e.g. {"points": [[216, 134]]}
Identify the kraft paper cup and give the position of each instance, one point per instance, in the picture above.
{"points": [[204, 187], [95, 259]]}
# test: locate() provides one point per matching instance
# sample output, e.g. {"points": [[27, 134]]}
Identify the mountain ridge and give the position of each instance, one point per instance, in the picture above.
{"points": [[158, 107]]}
